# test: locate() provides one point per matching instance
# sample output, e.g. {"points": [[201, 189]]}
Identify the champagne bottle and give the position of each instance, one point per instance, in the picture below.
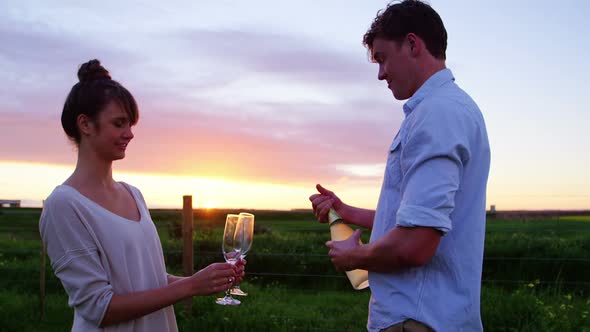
{"points": [[340, 231]]}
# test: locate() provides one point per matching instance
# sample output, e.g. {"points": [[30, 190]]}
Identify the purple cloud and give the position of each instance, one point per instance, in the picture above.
{"points": [[279, 54]]}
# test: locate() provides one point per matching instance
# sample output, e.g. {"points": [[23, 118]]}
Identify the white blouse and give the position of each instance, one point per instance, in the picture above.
{"points": [[97, 253]]}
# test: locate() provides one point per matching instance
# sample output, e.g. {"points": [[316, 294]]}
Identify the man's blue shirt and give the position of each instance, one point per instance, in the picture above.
{"points": [[436, 176]]}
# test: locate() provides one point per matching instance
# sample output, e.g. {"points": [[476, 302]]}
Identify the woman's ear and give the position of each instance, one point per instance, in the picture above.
{"points": [[84, 125]]}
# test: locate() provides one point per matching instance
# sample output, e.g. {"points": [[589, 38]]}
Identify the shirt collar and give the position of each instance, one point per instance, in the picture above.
{"points": [[438, 79]]}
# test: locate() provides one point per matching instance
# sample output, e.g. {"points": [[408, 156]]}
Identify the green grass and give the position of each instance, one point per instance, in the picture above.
{"points": [[555, 251], [563, 227], [576, 218], [528, 309], [274, 307], [536, 275]]}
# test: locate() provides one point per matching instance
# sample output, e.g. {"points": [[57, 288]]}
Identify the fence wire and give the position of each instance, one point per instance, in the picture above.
{"points": [[54, 281]]}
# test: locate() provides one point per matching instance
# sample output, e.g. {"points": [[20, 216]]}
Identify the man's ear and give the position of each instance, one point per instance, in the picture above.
{"points": [[415, 44], [84, 125]]}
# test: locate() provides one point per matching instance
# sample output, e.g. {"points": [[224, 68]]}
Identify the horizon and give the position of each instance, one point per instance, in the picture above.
{"points": [[583, 212], [255, 109]]}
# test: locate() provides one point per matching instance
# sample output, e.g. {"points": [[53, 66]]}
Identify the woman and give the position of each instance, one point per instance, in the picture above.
{"points": [[99, 234]]}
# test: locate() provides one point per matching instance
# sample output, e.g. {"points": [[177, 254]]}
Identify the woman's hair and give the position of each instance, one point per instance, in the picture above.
{"points": [[91, 95]]}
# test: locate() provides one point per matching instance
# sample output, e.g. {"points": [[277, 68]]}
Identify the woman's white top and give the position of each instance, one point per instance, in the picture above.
{"points": [[97, 253]]}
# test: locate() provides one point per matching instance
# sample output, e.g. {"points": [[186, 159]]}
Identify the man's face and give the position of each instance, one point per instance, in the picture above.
{"points": [[395, 66]]}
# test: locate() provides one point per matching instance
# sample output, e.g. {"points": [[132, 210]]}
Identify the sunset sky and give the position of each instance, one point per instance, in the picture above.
{"points": [[249, 104]]}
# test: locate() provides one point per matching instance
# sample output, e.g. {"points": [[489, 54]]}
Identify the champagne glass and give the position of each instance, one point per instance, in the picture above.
{"points": [[231, 253], [244, 237]]}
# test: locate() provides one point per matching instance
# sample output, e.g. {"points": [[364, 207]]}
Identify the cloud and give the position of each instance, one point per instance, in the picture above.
{"points": [[260, 147], [34, 138], [230, 154], [39, 63], [213, 145], [363, 170], [279, 54], [209, 102]]}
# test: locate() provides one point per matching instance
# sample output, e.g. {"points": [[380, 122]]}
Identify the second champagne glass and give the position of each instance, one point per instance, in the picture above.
{"points": [[244, 238], [231, 252]]}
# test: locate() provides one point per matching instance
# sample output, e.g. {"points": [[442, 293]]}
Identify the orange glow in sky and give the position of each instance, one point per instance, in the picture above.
{"points": [[253, 115]]}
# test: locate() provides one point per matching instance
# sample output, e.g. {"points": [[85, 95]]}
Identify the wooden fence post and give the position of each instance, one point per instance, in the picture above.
{"points": [[187, 236], [42, 277]]}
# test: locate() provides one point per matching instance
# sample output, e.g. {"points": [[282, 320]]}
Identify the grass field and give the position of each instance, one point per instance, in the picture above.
{"points": [[536, 276]]}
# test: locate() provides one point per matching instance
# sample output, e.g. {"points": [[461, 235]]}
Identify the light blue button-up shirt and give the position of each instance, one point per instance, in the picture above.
{"points": [[436, 176]]}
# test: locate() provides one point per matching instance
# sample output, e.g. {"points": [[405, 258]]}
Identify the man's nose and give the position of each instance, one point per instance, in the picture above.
{"points": [[381, 75]]}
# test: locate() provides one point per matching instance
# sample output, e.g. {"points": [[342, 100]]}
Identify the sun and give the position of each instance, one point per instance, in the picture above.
{"points": [[209, 205]]}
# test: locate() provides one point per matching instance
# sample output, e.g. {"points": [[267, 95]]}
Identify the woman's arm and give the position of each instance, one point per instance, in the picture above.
{"points": [[172, 278], [210, 280]]}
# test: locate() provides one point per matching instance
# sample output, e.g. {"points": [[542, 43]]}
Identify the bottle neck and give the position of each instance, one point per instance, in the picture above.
{"points": [[334, 218]]}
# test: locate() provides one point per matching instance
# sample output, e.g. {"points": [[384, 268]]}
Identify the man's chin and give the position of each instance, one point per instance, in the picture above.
{"points": [[399, 96]]}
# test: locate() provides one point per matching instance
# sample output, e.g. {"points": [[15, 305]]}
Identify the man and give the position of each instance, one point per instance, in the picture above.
{"points": [[426, 249]]}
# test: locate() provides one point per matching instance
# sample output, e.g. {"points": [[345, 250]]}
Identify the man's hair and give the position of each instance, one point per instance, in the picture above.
{"points": [[409, 16]]}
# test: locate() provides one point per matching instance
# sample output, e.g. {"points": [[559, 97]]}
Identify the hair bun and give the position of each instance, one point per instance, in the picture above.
{"points": [[91, 71]]}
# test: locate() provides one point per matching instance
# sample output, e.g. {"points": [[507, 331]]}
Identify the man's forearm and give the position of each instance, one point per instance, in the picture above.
{"points": [[400, 248], [357, 216], [377, 258]]}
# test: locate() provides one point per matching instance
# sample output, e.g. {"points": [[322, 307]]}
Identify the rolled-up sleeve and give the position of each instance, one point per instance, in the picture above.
{"points": [[75, 260], [432, 160]]}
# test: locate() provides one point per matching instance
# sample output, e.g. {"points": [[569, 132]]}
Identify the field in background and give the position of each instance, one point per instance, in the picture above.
{"points": [[536, 276]]}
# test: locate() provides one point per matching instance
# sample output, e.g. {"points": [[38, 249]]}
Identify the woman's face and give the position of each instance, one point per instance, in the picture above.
{"points": [[111, 132]]}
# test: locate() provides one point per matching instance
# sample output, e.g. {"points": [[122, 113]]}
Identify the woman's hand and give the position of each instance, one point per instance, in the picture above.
{"points": [[215, 278], [241, 265]]}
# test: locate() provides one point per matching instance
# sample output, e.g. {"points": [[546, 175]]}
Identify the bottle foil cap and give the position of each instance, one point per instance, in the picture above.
{"points": [[333, 217]]}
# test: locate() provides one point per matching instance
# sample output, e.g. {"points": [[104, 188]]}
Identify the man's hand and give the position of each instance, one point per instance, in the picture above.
{"points": [[322, 203], [342, 253]]}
